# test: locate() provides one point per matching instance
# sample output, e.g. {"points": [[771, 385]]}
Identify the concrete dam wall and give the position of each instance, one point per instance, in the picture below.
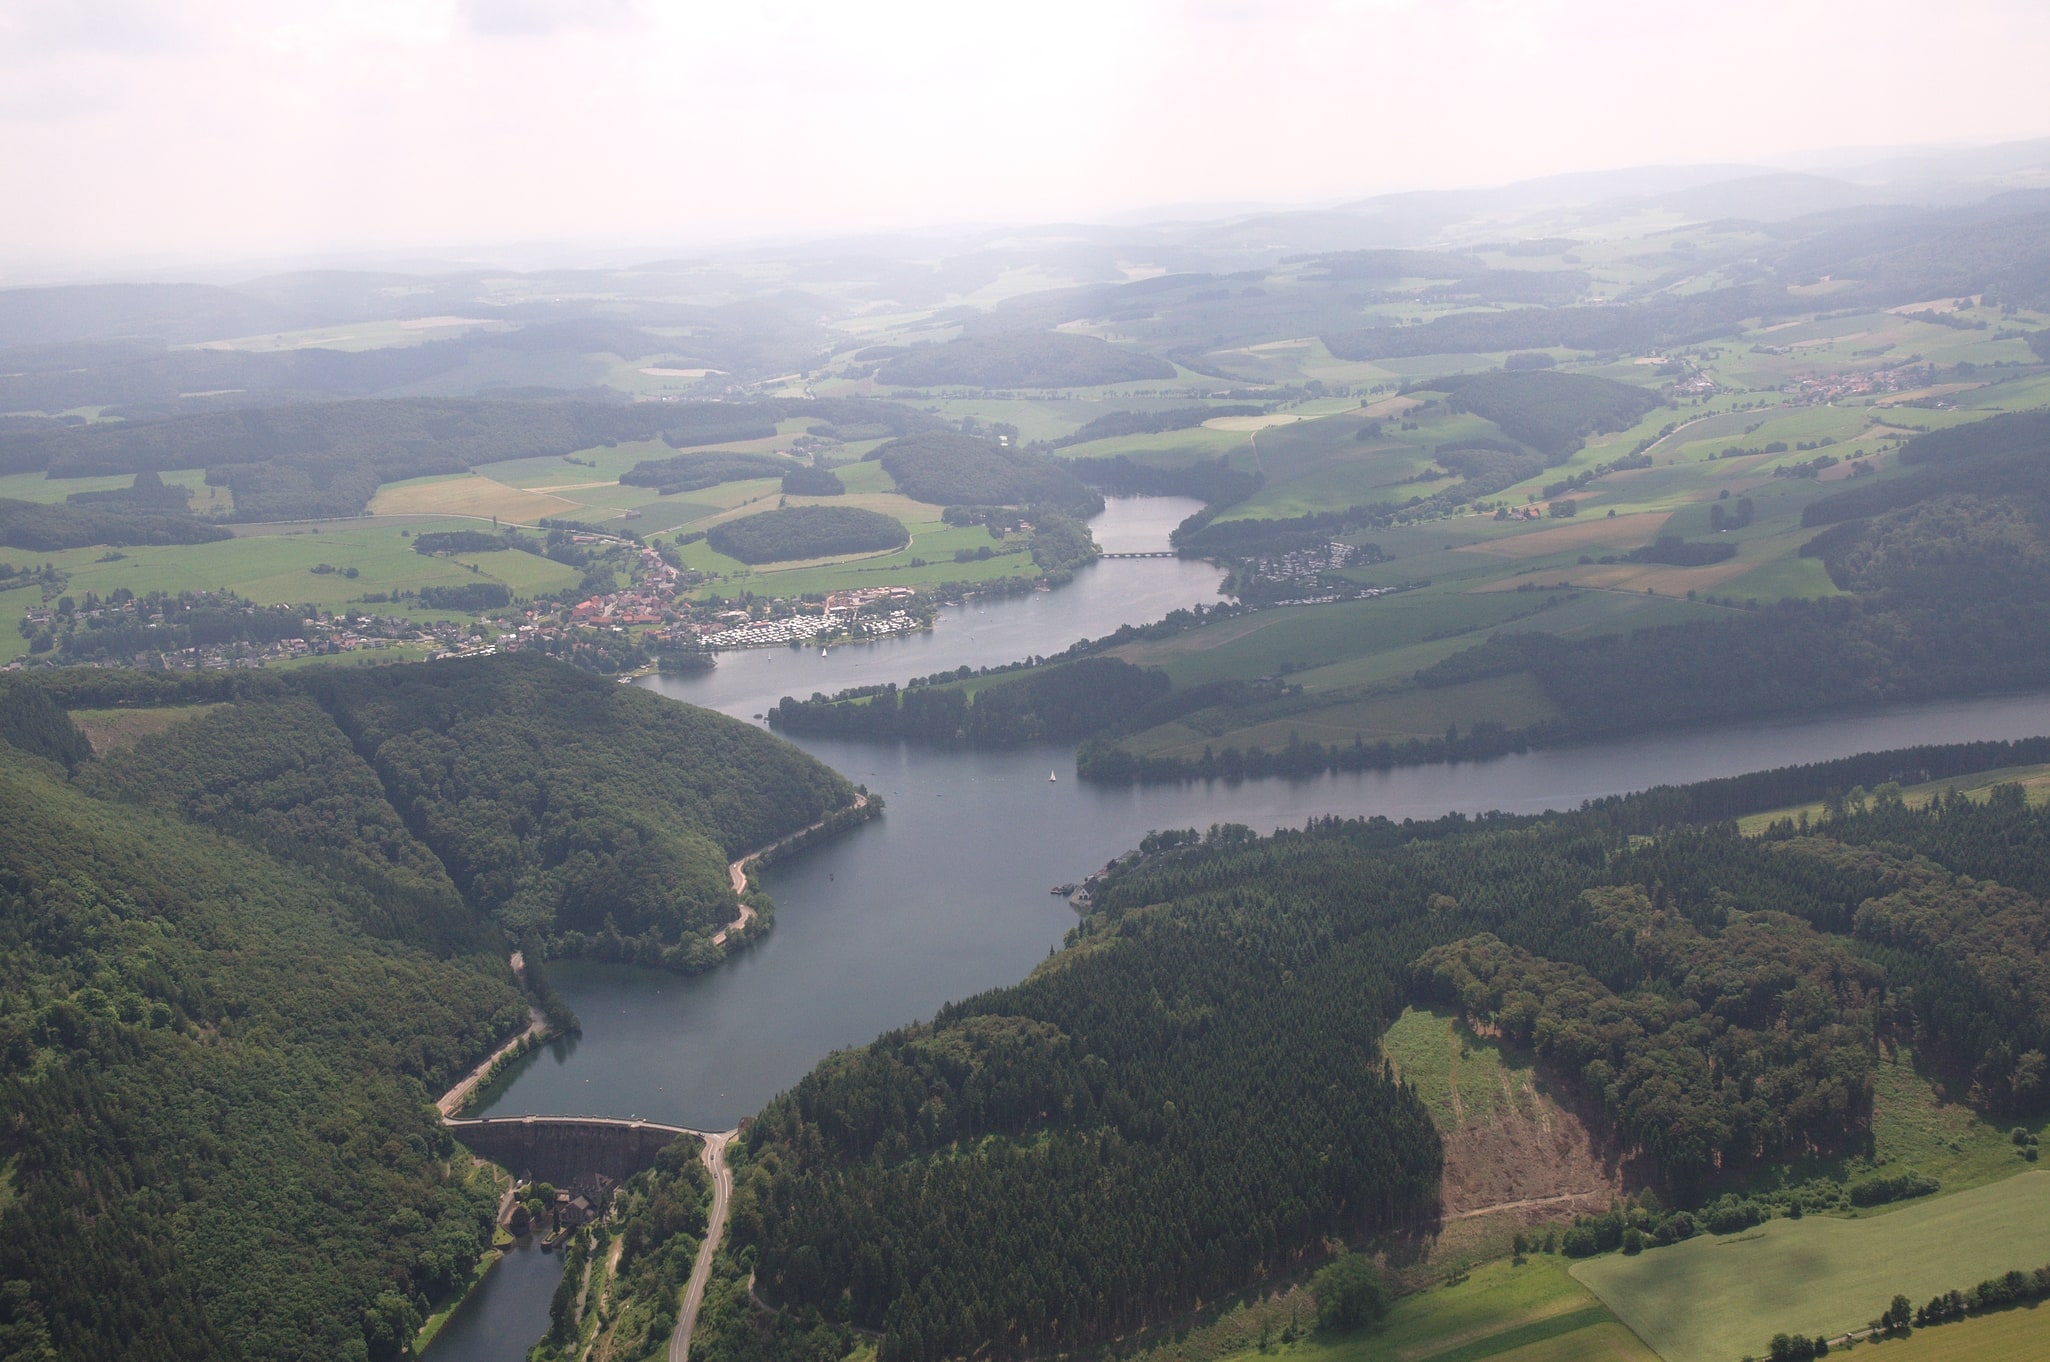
{"points": [[561, 1149]]}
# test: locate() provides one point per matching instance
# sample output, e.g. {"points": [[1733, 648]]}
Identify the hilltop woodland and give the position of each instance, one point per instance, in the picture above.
{"points": [[793, 532], [1124, 1133], [945, 468], [214, 1073], [242, 954], [1547, 411]]}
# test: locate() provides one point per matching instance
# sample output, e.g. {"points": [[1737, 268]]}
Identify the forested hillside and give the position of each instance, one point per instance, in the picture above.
{"points": [[1188, 1098], [278, 774], [459, 800], [1947, 580], [241, 955], [597, 815], [214, 1084], [947, 469], [1059, 702], [1022, 359], [1127, 1131]]}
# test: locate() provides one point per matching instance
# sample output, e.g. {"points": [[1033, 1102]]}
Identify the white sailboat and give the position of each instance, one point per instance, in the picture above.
{"points": [[1051, 776]]}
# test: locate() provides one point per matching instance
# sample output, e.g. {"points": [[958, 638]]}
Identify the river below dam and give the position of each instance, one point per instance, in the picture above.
{"points": [[947, 893]]}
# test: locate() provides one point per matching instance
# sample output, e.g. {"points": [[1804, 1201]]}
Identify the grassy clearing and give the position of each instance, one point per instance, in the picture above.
{"points": [[108, 729], [2035, 780], [1499, 1313], [1460, 1076], [1714, 1298], [1913, 1126]]}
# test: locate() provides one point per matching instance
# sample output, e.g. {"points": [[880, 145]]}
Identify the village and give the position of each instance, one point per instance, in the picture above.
{"points": [[653, 602], [611, 632], [209, 630]]}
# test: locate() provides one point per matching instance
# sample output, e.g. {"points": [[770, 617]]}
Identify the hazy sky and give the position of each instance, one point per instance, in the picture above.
{"points": [[135, 128]]}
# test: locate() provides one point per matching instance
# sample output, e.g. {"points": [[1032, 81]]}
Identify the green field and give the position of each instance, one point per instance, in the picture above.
{"points": [[277, 568], [1354, 660], [2034, 780], [1460, 1076], [1714, 1298], [1501, 1312], [2020, 1335]]}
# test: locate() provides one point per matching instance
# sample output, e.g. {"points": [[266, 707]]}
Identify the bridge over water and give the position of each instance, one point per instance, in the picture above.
{"points": [[1162, 553]]}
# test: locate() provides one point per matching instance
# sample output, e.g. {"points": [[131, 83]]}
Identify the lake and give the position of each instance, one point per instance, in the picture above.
{"points": [[947, 893]]}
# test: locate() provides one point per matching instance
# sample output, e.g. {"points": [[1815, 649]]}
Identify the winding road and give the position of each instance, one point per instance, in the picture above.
{"points": [[456, 1098], [715, 1230], [736, 871]]}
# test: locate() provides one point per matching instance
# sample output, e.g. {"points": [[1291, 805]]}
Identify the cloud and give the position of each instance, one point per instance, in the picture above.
{"points": [[531, 18], [221, 126], [30, 29]]}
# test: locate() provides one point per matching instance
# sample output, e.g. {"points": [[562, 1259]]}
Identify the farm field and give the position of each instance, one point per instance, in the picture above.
{"points": [[2018, 1335], [1354, 662], [1501, 1312], [276, 569], [469, 494], [1713, 1298]]}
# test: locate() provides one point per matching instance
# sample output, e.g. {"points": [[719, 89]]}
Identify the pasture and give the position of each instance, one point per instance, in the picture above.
{"points": [[1713, 1297], [1500, 1312], [2021, 1335], [928, 560], [278, 568], [1354, 661], [469, 494]]}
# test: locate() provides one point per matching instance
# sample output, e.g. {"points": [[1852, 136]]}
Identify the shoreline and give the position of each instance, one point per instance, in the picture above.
{"points": [[738, 873], [452, 1102]]}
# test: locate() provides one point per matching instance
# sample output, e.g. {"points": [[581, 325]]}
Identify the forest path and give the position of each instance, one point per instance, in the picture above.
{"points": [[1527, 1204]]}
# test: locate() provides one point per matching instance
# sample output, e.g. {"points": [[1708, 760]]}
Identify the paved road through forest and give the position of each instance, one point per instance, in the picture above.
{"points": [[715, 1229]]}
